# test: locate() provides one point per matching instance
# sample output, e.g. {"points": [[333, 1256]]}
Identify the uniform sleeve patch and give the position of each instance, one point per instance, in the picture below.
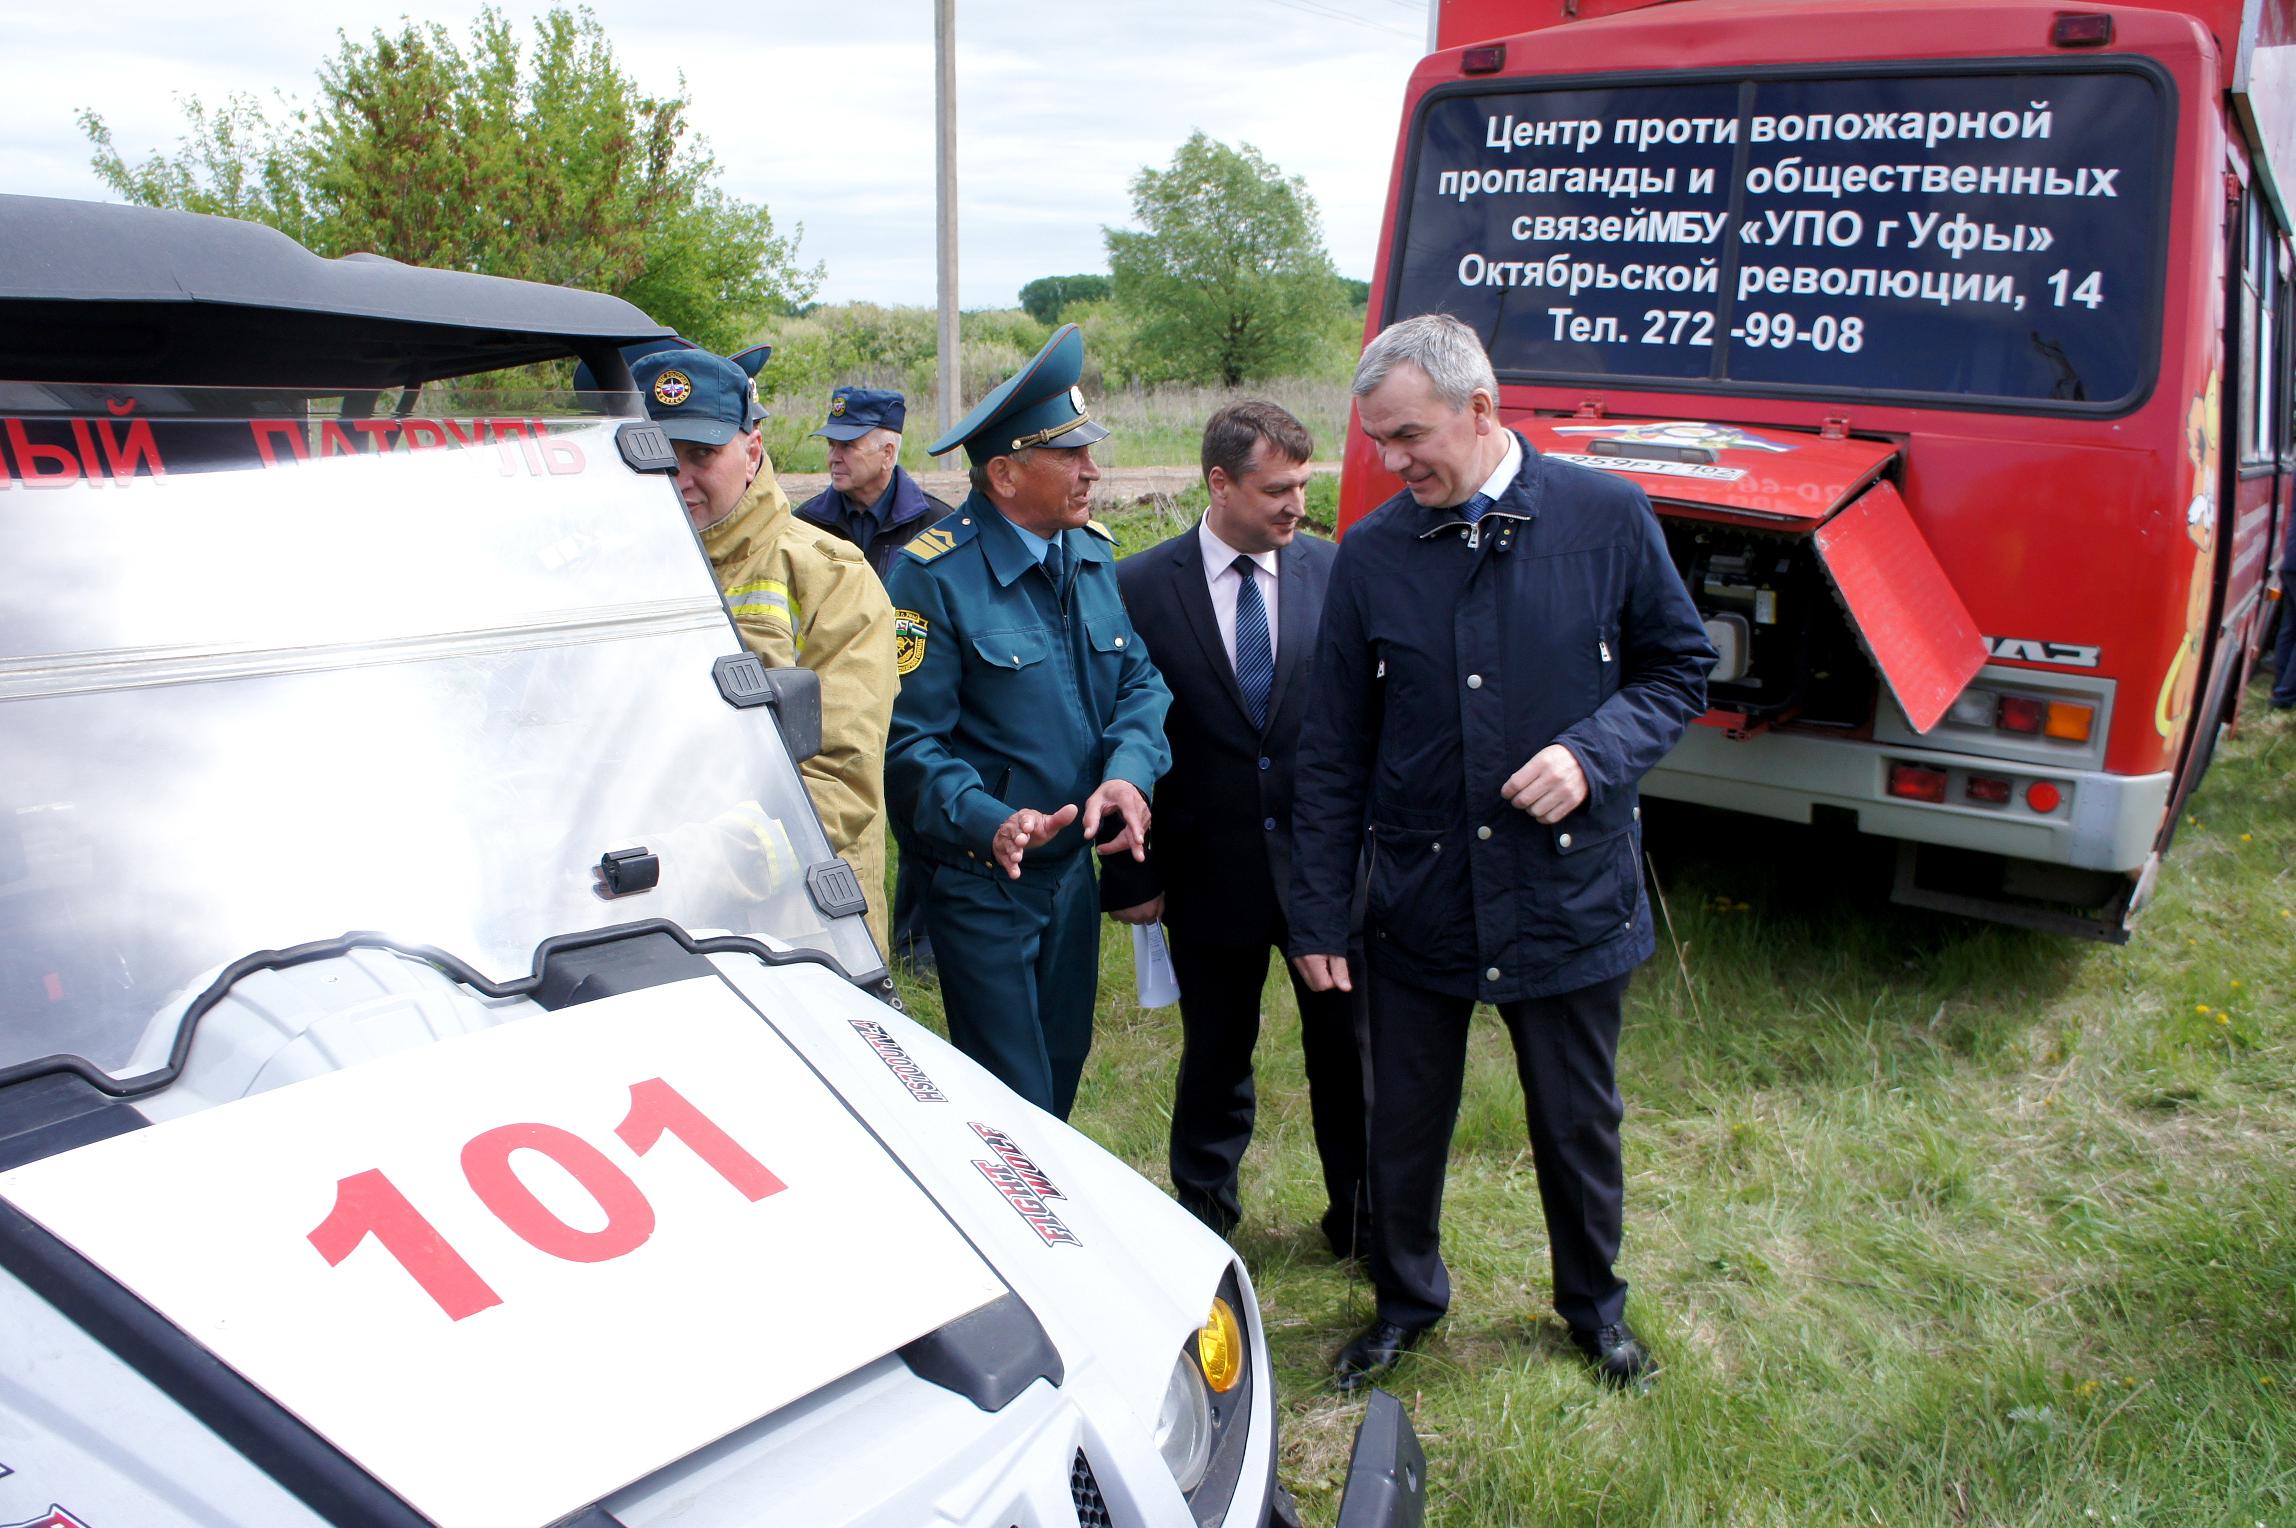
{"points": [[908, 640], [929, 544]]}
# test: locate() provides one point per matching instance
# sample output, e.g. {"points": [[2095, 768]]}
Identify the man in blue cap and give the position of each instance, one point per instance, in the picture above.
{"points": [[874, 503], [871, 499], [1030, 723], [798, 595]]}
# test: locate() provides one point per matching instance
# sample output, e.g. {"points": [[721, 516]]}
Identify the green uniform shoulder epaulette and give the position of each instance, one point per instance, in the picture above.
{"points": [[938, 539], [1102, 531]]}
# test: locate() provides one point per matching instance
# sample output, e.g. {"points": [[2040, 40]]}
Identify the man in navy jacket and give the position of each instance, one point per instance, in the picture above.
{"points": [[871, 500], [1506, 649]]}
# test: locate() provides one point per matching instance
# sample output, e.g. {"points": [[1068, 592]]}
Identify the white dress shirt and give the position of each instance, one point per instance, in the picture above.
{"points": [[1221, 575], [1509, 465]]}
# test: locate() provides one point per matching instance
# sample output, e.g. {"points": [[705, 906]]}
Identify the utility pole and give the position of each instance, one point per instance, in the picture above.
{"points": [[945, 203]]}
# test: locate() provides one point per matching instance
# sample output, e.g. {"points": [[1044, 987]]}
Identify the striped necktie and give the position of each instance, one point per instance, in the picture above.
{"points": [[1255, 654], [1475, 508]]}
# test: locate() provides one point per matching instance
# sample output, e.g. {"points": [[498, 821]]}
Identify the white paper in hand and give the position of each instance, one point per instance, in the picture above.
{"points": [[1152, 966]]}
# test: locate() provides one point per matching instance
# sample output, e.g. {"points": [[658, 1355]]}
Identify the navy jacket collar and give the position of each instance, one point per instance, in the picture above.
{"points": [[1519, 502], [908, 499]]}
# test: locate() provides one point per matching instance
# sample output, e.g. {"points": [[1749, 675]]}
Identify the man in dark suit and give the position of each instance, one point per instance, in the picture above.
{"points": [[1230, 610]]}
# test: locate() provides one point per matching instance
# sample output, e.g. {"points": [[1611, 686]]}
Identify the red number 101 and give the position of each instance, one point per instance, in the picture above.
{"points": [[369, 1204]]}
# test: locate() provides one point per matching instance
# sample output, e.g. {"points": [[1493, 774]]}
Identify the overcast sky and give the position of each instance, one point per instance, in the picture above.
{"points": [[1059, 106]]}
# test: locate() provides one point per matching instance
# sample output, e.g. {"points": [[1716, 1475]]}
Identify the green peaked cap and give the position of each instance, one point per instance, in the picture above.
{"points": [[1039, 405]]}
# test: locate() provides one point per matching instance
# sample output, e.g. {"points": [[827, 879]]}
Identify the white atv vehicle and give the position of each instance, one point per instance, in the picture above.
{"points": [[600, 1182]]}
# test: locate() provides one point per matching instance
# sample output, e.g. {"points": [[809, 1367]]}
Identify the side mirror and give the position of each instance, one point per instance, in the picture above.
{"points": [[793, 693]]}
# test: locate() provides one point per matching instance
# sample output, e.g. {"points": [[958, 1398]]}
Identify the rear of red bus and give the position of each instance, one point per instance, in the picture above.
{"points": [[1910, 320]]}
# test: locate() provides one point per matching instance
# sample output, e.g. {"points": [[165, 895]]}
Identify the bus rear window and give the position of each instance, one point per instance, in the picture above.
{"points": [[1983, 235]]}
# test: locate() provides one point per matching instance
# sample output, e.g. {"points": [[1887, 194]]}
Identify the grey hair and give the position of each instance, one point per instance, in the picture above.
{"points": [[980, 472], [1439, 345]]}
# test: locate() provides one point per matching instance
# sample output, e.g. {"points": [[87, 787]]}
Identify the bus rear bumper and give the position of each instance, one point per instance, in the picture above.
{"points": [[2101, 821]]}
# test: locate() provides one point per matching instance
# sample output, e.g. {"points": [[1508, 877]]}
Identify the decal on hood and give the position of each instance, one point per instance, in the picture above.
{"points": [[55, 1517], [1679, 432], [897, 1061], [459, 1263], [1024, 1185], [1650, 465]]}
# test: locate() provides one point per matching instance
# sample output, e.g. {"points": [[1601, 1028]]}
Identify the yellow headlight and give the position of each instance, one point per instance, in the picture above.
{"points": [[1220, 1348]]}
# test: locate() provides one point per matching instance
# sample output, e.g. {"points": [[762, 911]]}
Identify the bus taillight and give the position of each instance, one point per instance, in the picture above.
{"points": [[2022, 713], [1917, 782], [2069, 722], [2066, 721], [1989, 789]]}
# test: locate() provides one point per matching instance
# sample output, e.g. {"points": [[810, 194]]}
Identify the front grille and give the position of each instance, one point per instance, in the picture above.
{"points": [[1091, 1511]]}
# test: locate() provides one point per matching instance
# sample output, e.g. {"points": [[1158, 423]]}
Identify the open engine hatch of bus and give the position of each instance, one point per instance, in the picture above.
{"points": [[1902, 607]]}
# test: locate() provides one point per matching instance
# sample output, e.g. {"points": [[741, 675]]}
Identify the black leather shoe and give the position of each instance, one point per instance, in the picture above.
{"points": [[1372, 1354], [1619, 1358]]}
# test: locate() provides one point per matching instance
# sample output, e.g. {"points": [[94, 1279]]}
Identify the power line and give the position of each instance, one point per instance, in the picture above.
{"points": [[1333, 13]]}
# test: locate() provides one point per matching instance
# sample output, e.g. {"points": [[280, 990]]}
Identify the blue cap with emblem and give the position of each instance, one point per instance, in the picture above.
{"points": [[1039, 405], [855, 411], [751, 360], [700, 397]]}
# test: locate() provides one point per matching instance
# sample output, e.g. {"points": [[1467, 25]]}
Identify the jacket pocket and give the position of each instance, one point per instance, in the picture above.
{"points": [[1609, 661], [1111, 634], [1419, 898], [1012, 650], [1597, 879]]}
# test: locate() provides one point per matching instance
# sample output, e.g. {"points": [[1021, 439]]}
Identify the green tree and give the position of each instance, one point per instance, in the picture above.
{"points": [[546, 164], [1227, 280], [1044, 297]]}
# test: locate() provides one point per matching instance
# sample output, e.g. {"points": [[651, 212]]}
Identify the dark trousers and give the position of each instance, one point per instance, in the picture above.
{"points": [[1566, 1053], [2284, 650], [1213, 1099], [1019, 965], [908, 919]]}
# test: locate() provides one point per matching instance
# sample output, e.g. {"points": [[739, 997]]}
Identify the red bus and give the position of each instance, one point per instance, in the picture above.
{"points": [[1949, 341]]}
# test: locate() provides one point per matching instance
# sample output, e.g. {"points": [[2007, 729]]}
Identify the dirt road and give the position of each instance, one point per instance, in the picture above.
{"points": [[1121, 484]]}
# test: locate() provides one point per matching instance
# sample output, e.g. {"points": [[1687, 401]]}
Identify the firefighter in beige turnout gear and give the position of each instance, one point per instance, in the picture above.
{"points": [[799, 595]]}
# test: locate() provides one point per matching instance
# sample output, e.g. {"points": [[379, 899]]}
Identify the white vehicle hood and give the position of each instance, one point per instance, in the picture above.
{"points": [[628, 1250]]}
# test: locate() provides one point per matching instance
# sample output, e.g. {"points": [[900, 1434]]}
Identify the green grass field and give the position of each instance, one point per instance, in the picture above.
{"points": [[1931, 1222]]}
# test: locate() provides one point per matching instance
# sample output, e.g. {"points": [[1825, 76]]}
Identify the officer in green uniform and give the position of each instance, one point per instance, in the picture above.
{"points": [[1030, 724]]}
